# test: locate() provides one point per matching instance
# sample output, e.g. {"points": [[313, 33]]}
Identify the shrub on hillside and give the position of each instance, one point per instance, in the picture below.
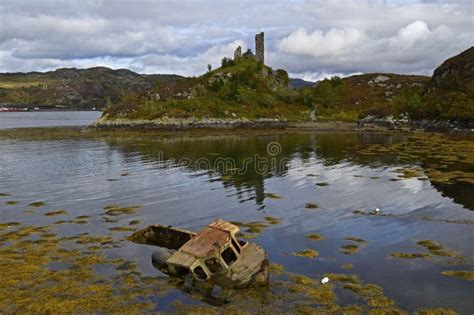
{"points": [[227, 62], [282, 76], [326, 94], [379, 111], [410, 102]]}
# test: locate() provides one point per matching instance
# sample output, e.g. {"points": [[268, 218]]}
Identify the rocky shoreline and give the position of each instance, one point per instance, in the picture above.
{"points": [[175, 124], [434, 125], [367, 124]]}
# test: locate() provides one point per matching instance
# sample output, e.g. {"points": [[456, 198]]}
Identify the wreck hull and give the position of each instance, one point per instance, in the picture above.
{"points": [[163, 236], [214, 254]]}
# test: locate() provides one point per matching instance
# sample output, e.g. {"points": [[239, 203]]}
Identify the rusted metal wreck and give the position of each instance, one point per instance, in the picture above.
{"points": [[213, 254]]}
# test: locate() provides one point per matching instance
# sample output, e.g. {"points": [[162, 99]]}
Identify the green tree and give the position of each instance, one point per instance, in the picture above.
{"points": [[227, 62], [325, 94]]}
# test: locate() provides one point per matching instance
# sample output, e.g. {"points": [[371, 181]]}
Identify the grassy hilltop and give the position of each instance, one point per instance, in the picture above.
{"points": [[247, 88], [240, 88]]}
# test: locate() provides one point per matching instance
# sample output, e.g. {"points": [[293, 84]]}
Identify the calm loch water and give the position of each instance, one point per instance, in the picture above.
{"points": [[423, 186]]}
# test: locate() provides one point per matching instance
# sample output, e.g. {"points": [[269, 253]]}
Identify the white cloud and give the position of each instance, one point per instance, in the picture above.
{"points": [[310, 38], [334, 42]]}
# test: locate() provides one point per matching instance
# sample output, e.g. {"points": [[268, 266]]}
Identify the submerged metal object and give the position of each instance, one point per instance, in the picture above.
{"points": [[213, 254]]}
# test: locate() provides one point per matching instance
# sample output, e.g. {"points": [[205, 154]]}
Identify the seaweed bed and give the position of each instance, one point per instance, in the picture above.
{"points": [[43, 271]]}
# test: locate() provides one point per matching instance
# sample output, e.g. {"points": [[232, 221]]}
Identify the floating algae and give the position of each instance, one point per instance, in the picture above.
{"points": [[412, 217], [314, 237], [422, 147], [5, 195], [55, 213], [277, 269], [372, 293], [311, 205], [323, 295], [322, 184], [273, 220], [79, 222], [356, 239], [437, 311], [115, 210], [59, 222], [37, 204], [347, 266], [349, 249], [74, 289], [407, 173], [9, 224], [11, 202], [253, 227], [461, 274], [308, 253], [340, 277], [410, 255], [135, 222], [293, 293], [272, 196], [436, 249]]}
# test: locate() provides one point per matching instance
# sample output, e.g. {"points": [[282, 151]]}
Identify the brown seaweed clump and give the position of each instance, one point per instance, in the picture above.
{"points": [[436, 249], [437, 311], [356, 239], [349, 249], [311, 205], [55, 213], [308, 253], [37, 204], [272, 196], [76, 288], [461, 274], [314, 237], [272, 220], [115, 210], [410, 255]]}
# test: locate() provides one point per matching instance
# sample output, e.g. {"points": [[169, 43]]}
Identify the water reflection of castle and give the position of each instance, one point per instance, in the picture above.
{"points": [[328, 149]]}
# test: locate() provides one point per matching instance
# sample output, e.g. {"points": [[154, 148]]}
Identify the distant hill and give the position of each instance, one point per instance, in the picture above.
{"points": [[300, 83], [75, 88], [450, 92], [242, 88]]}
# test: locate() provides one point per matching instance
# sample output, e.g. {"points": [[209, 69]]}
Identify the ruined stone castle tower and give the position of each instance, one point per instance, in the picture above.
{"points": [[238, 52], [260, 47]]}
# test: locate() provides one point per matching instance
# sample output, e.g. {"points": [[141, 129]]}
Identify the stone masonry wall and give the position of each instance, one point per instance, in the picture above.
{"points": [[238, 53], [260, 47]]}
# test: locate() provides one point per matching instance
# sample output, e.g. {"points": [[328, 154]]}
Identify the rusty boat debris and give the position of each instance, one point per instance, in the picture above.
{"points": [[214, 254]]}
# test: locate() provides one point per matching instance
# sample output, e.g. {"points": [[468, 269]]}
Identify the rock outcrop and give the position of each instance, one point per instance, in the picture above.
{"points": [[450, 92]]}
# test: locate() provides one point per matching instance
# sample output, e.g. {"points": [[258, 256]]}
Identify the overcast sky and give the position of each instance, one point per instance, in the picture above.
{"points": [[310, 39]]}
